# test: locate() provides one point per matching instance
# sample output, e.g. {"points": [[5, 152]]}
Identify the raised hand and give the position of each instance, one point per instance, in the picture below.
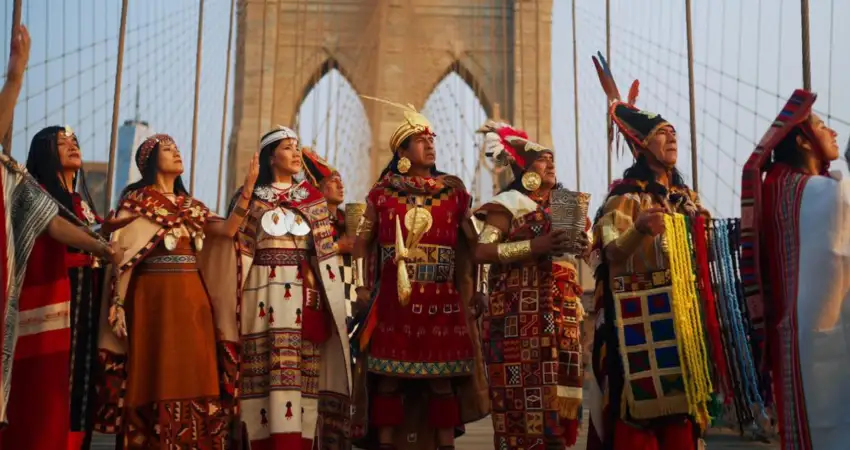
{"points": [[20, 54], [253, 173]]}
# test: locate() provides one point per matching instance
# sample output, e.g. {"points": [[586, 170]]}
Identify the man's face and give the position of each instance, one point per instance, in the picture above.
{"points": [[664, 146], [333, 189]]}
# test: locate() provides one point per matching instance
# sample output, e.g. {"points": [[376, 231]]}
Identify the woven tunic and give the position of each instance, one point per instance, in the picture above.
{"points": [[427, 338]]}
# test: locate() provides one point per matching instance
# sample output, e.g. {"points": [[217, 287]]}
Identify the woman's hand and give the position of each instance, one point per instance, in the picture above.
{"points": [[253, 173]]}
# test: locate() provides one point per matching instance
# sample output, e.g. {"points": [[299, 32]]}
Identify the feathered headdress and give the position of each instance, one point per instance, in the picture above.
{"points": [[414, 123], [509, 146], [635, 124]]}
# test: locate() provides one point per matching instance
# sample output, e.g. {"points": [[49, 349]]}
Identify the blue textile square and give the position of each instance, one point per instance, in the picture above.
{"points": [[658, 303], [667, 357], [663, 330], [634, 334]]}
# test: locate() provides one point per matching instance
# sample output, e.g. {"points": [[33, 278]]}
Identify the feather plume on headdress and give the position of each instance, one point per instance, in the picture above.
{"points": [[414, 122], [509, 146], [636, 125]]}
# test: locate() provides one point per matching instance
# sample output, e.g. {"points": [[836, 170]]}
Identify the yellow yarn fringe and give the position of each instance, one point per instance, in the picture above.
{"points": [[686, 317]]}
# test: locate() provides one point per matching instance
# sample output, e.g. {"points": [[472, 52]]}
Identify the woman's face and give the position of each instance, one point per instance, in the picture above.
{"points": [[70, 157], [544, 166], [664, 146], [287, 157], [825, 138], [421, 151], [169, 160]]}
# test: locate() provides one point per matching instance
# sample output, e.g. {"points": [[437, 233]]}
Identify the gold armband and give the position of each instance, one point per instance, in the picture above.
{"points": [[630, 240], [365, 226], [357, 273], [490, 235], [514, 251]]}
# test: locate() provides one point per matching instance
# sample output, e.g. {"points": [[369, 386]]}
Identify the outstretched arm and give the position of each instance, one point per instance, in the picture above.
{"points": [[73, 236]]}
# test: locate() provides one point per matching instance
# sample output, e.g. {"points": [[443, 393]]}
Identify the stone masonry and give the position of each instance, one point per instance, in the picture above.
{"points": [[393, 49]]}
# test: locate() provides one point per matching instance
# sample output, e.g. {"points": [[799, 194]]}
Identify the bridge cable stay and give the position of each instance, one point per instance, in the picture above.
{"points": [[74, 78]]}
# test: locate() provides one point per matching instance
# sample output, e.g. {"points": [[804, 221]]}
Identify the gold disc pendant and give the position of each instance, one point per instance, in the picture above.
{"points": [[418, 221]]}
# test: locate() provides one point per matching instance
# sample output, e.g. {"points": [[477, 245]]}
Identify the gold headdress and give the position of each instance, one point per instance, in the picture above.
{"points": [[414, 123]]}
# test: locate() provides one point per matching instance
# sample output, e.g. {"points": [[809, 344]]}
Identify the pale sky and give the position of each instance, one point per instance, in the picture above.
{"points": [[747, 62]]}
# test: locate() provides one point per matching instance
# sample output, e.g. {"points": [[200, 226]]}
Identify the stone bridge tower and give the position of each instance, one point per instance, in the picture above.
{"points": [[393, 49]]}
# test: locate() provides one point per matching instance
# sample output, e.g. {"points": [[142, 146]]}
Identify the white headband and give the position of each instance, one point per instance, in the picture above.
{"points": [[277, 135]]}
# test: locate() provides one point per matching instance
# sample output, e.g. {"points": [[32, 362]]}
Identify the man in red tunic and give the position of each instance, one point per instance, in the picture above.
{"points": [[26, 212], [420, 345]]}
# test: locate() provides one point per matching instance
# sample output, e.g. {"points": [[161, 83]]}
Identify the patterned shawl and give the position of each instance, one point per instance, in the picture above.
{"points": [[26, 212]]}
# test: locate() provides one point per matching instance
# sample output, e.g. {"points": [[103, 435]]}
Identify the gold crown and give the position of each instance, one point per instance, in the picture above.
{"points": [[414, 123]]}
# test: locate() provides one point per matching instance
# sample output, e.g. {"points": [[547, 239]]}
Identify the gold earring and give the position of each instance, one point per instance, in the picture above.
{"points": [[531, 181], [403, 165]]}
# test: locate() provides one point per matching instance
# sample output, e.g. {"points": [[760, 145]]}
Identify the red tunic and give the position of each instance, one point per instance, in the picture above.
{"points": [[428, 337], [40, 374]]}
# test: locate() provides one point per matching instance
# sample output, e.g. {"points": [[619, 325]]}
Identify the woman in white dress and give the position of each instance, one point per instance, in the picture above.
{"points": [[294, 372]]}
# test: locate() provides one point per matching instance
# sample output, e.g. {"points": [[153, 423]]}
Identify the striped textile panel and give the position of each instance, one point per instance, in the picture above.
{"points": [[796, 110]]}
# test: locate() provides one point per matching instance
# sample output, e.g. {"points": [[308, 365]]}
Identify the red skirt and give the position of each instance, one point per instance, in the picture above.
{"points": [[427, 338]]}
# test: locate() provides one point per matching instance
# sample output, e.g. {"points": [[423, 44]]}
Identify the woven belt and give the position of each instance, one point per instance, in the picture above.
{"points": [[435, 263], [276, 257]]}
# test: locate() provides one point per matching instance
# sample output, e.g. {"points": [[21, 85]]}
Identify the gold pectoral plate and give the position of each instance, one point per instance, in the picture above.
{"points": [[418, 221]]}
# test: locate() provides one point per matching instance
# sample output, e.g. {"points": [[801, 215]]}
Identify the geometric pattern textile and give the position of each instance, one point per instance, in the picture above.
{"points": [[654, 385]]}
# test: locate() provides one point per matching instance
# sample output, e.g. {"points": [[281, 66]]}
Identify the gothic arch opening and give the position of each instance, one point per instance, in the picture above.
{"points": [[456, 111], [332, 120]]}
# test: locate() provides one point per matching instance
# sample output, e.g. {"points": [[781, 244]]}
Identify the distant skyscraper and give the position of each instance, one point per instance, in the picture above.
{"points": [[96, 181], [130, 136]]}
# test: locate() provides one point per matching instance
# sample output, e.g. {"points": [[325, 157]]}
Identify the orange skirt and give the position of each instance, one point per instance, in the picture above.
{"points": [[172, 392]]}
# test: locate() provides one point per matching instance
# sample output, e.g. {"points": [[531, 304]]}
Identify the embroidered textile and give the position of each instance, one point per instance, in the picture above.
{"points": [[428, 337], [532, 346], [294, 375]]}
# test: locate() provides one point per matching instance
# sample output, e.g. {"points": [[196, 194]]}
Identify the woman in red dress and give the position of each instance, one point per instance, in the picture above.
{"points": [[423, 350], [60, 306]]}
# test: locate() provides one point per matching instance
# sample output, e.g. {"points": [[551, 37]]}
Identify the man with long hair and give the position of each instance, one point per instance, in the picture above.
{"points": [[417, 340], [795, 231], [637, 398]]}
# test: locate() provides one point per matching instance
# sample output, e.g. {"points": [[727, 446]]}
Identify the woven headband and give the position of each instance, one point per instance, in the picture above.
{"points": [[278, 135], [147, 147]]}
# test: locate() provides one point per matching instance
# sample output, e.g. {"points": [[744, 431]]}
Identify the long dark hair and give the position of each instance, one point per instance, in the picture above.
{"points": [[44, 165], [149, 175], [787, 151], [392, 166]]}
